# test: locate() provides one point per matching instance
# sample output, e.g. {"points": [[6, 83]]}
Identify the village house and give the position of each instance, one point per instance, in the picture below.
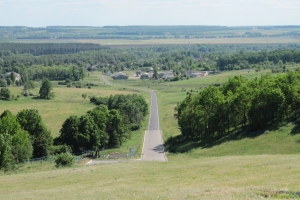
{"points": [[120, 75], [167, 76], [193, 74], [7, 74], [146, 76], [138, 72], [168, 73]]}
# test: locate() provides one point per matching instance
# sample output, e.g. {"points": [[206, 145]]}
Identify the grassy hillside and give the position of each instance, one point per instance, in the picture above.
{"points": [[183, 177], [251, 166]]}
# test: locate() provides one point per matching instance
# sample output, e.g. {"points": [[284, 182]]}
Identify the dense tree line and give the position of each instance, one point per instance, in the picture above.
{"points": [[21, 137], [240, 104], [38, 49], [106, 126], [243, 60]]}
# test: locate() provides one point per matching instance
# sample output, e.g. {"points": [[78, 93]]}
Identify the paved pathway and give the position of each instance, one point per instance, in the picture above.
{"points": [[104, 80], [153, 149]]}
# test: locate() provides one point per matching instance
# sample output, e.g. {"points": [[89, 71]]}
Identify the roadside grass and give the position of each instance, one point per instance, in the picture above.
{"points": [[281, 141], [183, 177]]}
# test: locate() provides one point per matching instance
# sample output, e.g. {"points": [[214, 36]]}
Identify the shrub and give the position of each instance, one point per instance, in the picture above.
{"points": [[64, 160]]}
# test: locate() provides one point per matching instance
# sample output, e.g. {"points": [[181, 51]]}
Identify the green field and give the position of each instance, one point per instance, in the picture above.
{"points": [[183, 177]]}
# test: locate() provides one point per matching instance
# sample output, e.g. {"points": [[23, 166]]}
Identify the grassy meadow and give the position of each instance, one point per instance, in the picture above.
{"points": [[67, 101], [246, 167], [183, 177]]}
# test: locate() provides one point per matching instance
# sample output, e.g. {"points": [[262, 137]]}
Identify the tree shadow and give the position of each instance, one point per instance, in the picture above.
{"points": [[182, 144], [295, 130], [36, 97]]}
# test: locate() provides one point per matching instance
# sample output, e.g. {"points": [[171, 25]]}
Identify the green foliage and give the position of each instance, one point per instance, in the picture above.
{"points": [[155, 73], [58, 149], [3, 83], [5, 94], [83, 96], [15, 144], [12, 77], [252, 105], [45, 90], [41, 139], [105, 126], [64, 160], [6, 160]]}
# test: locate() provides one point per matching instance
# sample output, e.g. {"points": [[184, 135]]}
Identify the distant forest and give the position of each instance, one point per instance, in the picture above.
{"points": [[144, 32], [61, 61]]}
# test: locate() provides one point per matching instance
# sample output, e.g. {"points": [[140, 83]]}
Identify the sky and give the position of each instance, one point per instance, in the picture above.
{"points": [[41, 13]]}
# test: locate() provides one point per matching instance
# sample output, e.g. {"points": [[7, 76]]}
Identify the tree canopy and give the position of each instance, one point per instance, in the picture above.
{"points": [[45, 90], [240, 104]]}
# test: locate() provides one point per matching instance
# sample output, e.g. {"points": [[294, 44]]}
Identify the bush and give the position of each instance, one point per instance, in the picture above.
{"points": [[59, 149], [176, 78], [64, 160]]}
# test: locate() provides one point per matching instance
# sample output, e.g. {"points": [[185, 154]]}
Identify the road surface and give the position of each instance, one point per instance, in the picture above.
{"points": [[104, 80], [153, 149]]}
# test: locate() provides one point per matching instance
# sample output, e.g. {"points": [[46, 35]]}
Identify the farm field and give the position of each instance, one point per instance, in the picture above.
{"points": [[124, 42]]}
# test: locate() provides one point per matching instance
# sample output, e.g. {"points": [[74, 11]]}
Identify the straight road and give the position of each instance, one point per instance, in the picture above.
{"points": [[104, 80], [153, 149]]}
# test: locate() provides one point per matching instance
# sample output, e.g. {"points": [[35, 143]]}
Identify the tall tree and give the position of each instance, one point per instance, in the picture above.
{"points": [[40, 136], [45, 90]]}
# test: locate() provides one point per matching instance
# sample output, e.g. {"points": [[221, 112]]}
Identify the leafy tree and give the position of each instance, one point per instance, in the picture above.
{"points": [[69, 132], [155, 73], [6, 158], [5, 94], [41, 139], [12, 77], [117, 130], [15, 145], [45, 90]]}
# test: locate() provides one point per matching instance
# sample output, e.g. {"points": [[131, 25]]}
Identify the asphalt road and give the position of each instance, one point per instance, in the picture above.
{"points": [[104, 80], [153, 149]]}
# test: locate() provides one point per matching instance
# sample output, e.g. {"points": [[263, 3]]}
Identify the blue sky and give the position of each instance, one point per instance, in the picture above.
{"points": [[41, 13]]}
